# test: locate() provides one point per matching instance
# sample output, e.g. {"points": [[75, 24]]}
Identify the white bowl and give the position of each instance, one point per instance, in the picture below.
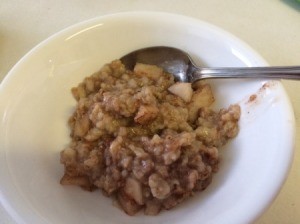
{"points": [[36, 103]]}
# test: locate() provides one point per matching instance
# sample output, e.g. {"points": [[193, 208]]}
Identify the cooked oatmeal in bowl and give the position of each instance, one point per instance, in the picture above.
{"points": [[142, 138]]}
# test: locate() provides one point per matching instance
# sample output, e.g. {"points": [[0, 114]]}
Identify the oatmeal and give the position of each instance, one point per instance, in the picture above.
{"points": [[144, 139]]}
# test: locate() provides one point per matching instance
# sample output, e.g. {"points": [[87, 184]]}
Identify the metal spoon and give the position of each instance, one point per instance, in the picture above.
{"points": [[180, 64]]}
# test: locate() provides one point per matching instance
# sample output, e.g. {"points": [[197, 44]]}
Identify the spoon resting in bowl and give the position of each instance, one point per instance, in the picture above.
{"points": [[180, 64]]}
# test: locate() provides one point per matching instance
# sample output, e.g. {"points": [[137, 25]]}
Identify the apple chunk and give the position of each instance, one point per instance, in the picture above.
{"points": [[183, 90], [202, 97]]}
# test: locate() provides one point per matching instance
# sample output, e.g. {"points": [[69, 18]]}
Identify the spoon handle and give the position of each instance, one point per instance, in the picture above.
{"points": [[282, 72]]}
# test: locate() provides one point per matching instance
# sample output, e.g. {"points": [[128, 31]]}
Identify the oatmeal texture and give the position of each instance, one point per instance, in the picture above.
{"points": [[141, 144]]}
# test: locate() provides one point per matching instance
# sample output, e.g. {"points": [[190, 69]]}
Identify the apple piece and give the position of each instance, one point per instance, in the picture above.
{"points": [[183, 90]]}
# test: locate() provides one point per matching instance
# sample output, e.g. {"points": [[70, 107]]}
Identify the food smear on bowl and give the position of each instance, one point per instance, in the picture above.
{"points": [[142, 138]]}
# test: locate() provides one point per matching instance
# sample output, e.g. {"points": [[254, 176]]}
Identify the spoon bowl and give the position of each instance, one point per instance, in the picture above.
{"points": [[181, 65]]}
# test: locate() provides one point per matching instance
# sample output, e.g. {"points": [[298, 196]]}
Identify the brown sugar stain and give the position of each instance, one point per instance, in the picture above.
{"points": [[252, 98], [255, 97], [252, 101]]}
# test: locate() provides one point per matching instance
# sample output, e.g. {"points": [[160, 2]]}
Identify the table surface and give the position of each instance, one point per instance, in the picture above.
{"points": [[270, 27]]}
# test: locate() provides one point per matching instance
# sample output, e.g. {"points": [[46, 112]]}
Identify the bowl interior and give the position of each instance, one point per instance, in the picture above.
{"points": [[37, 104]]}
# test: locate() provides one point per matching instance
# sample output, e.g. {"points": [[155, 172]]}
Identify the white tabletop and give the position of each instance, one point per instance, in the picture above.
{"points": [[271, 27]]}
